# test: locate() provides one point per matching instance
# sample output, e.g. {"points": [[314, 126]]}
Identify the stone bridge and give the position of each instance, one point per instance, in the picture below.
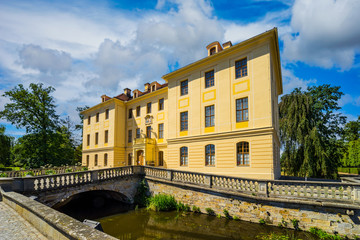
{"points": [[331, 206], [56, 190]]}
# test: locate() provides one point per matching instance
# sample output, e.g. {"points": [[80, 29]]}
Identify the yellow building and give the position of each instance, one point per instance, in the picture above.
{"points": [[217, 115]]}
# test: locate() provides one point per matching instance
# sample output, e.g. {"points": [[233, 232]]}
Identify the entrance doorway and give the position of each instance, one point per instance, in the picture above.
{"points": [[140, 157]]}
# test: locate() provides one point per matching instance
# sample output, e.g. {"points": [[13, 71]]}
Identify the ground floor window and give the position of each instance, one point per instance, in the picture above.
{"points": [[183, 156], [242, 152], [87, 160], [161, 158], [105, 159], [96, 160], [210, 155], [129, 159]]}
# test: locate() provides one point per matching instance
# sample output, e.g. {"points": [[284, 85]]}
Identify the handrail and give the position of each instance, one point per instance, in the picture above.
{"points": [[294, 189]]}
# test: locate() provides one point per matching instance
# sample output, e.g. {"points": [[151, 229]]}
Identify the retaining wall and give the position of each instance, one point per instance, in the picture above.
{"points": [[340, 219], [51, 223]]}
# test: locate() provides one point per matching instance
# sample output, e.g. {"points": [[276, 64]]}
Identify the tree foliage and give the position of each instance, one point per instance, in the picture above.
{"points": [[49, 140], [351, 136], [5, 147], [309, 128]]}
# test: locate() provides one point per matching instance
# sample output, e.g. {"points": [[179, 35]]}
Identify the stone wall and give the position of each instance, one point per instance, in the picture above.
{"points": [[331, 219], [51, 223]]}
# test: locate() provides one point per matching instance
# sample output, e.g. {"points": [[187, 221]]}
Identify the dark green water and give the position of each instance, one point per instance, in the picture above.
{"points": [[143, 224]]}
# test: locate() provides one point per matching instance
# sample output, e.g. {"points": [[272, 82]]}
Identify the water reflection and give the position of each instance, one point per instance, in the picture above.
{"points": [[143, 224]]}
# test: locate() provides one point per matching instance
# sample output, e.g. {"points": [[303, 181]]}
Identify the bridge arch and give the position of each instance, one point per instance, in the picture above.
{"points": [[94, 204]]}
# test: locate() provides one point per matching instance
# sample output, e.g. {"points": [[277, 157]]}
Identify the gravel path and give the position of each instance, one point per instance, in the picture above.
{"points": [[14, 227]]}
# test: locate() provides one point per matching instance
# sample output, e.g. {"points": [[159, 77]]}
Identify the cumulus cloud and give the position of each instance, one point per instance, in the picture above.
{"points": [[290, 81], [45, 60], [349, 99], [324, 33]]}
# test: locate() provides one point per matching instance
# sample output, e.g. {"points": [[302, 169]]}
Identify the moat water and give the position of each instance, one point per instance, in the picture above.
{"points": [[144, 224], [119, 220]]}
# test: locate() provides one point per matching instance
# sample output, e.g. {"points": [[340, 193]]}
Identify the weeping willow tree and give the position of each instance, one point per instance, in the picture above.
{"points": [[309, 128]]}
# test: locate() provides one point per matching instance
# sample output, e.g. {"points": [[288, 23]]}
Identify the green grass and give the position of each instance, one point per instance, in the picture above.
{"points": [[276, 236], [196, 209], [183, 207], [226, 213], [162, 202], [324, 235], [210, 211]]}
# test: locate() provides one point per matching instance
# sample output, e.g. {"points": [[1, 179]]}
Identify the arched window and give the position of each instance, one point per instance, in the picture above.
{"points": [[129, 159], [105, 159], [161, 158], [183, 156], [212, 50], [242, 154], [96, 160], [210, 155]]}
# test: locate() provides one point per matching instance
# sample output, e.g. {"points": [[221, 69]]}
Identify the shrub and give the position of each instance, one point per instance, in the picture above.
{"points": [[218, 216], [324, 235], [29, 173], [236, 218], [50, 172], [85, 168], [3, 174], [295, 224], [183, 207], [275, 236], [262, 221], [226, 213], [210, 211], [141, 197], [68, 170], [162, 202], [196, 209]]}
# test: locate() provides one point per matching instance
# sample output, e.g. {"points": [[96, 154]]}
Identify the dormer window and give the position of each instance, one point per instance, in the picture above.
{"points": [[153, 88], [212, 51], [135, 95]]}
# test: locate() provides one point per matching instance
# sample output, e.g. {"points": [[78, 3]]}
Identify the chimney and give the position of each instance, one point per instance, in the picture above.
{"points": [[213, 48], [104, 98], [127, 92], [227, 44], [147, 86]]}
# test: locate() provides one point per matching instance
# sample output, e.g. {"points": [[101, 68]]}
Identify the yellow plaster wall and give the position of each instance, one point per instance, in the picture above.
{"points": [[261, 160]]}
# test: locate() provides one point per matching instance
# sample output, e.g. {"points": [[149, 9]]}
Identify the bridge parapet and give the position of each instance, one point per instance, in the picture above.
{"points": [[43, 171], [312, 191], [281, 189], [60, 181]]}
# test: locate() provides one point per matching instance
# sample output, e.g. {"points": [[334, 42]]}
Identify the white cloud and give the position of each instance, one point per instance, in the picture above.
{"points": [[85, 54], [324, 33], [45, 60], [290, 81]]}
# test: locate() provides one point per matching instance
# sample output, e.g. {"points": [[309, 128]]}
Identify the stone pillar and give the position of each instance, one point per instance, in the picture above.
{"points": [[94, 176], [169, 175], [356, 193], [6, 184], [208, 181], [263, 188]]}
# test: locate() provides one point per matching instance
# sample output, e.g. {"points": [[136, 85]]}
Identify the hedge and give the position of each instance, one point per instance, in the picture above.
{"points": [[351, 170]]}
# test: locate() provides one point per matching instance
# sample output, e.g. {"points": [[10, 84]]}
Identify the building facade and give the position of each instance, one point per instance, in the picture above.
{"points": [[217, 115]]}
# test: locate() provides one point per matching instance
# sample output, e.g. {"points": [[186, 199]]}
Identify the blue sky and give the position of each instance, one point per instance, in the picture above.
{"points": [[89, 48]]}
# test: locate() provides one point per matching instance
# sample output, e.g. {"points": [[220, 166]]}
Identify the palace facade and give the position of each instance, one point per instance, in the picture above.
{"points": [[217, 115]]}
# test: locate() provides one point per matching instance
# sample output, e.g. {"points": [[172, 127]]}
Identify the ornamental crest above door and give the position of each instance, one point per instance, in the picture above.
{"points": [[148, 119]]}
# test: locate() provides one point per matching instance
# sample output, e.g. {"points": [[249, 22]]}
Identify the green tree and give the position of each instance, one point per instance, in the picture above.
{"points": [[309, 128], [5, 147], [34, 110], [351, 136]]}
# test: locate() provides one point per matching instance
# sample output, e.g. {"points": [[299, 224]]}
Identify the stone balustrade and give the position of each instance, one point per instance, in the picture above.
{"points": [[335, 192], [284, 189], [43, 171], [60, 181]]}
